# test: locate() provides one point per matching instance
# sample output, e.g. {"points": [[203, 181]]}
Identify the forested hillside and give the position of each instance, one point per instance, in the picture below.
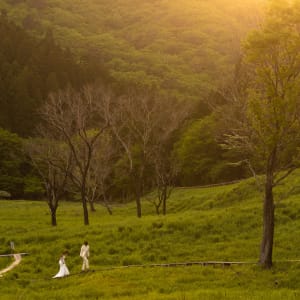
{"points": [[31, 68], [183, 48]]}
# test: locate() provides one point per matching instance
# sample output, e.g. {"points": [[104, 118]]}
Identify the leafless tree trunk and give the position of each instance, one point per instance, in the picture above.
{"points": [[106, 203], [52, 161], [92, 206], [101, 170], [164, 173], [143, 124], [79, 118]]}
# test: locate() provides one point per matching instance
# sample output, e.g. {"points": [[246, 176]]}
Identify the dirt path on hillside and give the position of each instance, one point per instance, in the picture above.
{"points": [[17, 258]]}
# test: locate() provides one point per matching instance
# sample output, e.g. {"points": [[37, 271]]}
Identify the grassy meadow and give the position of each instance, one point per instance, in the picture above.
{"points": [[218, 223]]}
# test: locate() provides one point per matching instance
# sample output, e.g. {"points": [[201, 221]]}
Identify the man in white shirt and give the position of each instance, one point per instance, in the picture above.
{"points": [[85, 253]]}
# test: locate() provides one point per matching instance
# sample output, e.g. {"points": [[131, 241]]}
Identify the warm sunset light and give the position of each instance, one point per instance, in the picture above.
{"points": [[149, 149]]}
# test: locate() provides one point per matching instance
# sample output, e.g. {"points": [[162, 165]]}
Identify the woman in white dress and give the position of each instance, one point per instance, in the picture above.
{"points": [[63, 269]]}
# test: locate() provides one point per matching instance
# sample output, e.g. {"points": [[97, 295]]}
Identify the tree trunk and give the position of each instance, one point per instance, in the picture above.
{"points": [[157, 208], [138, 199], [53, 217], [52, 204], [92, 206], [138, 206], [164, 199], [85, 209], [268, 219], [106, 204], [109, 209]]}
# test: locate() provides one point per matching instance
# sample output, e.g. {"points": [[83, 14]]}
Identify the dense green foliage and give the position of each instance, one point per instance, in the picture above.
{"points": [[17, 176], [12, 164], [184, 48], [30, 68], [262, 121], [222, 223], [201, 158]]}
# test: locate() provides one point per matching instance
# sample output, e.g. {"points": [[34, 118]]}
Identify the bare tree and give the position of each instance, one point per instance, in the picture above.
{"points": [[163, 185], [132, 124], [99, 179], [52, 160], [165, 173], [144, 126], [79, 118], [170, 117]]}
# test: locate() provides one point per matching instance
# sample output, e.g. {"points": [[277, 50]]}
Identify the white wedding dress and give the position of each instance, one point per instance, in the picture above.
{"points": [[63, 269]]}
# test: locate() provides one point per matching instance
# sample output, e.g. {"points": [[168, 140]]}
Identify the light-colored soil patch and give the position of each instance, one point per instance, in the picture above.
{"points": [[17, 258]]}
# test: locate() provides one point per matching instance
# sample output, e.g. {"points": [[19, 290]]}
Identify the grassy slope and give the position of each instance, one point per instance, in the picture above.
{"points": [[221, 223]]}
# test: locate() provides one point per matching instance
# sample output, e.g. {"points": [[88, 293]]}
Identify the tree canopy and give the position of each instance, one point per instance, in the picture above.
{"points": [[183, 48], [30, 68], [266, 131]]}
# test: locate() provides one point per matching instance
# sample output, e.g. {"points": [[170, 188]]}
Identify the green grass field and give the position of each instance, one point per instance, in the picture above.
{"points": [[220, 223]]}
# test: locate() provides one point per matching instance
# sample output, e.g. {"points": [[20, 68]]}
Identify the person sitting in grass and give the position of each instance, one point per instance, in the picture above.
{"points": [[63, 269], [85, 253]]}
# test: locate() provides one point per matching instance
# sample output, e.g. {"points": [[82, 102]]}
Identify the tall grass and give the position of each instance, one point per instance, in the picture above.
{"points": [[220, 223]]}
